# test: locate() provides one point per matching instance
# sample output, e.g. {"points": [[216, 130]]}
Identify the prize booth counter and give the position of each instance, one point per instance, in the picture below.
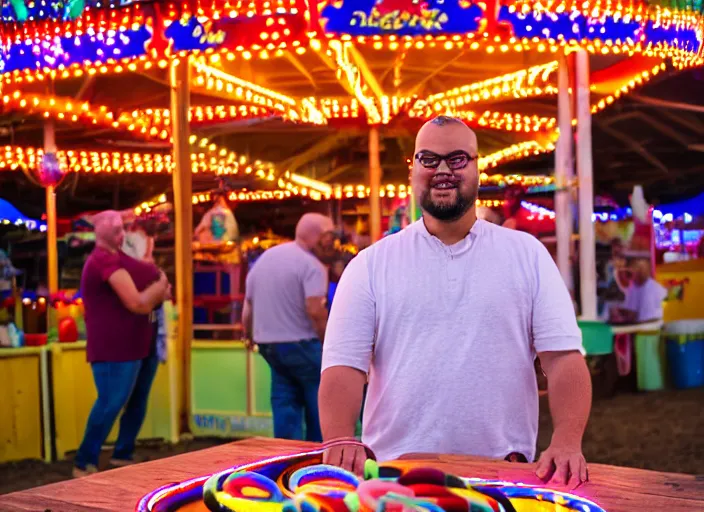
{"points": [[48, 392], [48, 388]]}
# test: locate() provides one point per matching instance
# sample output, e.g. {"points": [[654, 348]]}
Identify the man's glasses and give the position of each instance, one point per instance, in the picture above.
{"points": [[457, 160]]}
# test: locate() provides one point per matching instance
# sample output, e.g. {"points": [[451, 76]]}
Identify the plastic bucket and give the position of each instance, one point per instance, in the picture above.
{"points": [[597, 338], [686, 358], [650, 361], [685, 353]]}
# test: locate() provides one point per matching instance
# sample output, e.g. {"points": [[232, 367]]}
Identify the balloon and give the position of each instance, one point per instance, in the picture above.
{"points": [[68, 331]]}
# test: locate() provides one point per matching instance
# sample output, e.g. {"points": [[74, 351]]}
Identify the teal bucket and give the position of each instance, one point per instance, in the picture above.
{"points": [[650, 361], [597, 338]]}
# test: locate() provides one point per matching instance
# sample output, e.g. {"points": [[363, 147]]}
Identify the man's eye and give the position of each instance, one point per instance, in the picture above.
{"points": [[457, 161], [428, 160]]}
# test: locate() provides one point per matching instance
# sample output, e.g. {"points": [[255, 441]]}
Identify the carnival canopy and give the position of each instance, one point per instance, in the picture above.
{"points": [[280, 87]]}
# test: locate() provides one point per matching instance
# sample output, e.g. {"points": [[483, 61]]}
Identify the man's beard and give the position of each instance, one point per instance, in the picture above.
{"points": [[445, 211]]}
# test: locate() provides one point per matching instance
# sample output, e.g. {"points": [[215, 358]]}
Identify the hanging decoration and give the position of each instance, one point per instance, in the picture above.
{"points": [[50, 171]]}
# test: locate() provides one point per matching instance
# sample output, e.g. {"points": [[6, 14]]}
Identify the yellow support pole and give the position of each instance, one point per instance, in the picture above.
{"points": [[374, 185], [179, 80], [52, 250]]}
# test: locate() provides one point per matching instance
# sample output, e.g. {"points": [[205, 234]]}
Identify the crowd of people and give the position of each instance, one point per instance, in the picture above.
{"points": [[438, 325]]}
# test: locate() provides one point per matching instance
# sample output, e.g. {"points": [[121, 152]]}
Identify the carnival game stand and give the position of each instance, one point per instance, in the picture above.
{"points": [[230, 385]]}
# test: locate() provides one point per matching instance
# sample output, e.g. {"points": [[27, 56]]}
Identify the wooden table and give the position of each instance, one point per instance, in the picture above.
{"points": [[615, 489]]}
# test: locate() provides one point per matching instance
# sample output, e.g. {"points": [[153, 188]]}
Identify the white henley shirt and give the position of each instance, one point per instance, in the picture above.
{"points": [[448, 335]]}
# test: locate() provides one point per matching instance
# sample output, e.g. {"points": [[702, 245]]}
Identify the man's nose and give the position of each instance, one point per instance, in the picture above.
{"points": [[443, 167]]}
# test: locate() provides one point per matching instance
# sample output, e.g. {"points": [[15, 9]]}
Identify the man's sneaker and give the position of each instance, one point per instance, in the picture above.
{"points": [[89, 470]]}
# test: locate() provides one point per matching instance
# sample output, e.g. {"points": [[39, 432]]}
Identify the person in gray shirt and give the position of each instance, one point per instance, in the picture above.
{"points": [[285, 314]]}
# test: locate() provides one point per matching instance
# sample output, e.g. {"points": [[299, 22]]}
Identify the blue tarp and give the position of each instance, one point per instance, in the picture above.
{"points": [[9, 213], [693, 206]]}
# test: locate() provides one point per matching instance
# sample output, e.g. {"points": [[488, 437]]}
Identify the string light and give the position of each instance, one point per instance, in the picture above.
{"points": [[64, 109], [208, 160], [213, 79], [359, 191], [534, 81], [351, 73], [514, 152], [637, 81]]}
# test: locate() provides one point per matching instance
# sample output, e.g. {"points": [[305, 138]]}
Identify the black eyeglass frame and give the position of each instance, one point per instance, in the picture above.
{"points": [[446, 159]]}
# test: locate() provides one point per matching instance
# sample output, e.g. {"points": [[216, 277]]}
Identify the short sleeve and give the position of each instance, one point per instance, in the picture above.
{"points": [[349, 338], [315, 280], [107, 264], [554, 320], [249, 284]]}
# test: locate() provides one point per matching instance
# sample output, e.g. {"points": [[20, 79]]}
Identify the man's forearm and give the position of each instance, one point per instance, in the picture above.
{"points": [[319, 318], [247, 319], [340, 401], [570, 395], [320, 324], [151, 297]]}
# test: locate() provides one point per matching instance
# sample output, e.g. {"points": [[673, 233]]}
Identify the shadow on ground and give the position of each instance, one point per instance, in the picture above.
{"points": [[663, 431]]}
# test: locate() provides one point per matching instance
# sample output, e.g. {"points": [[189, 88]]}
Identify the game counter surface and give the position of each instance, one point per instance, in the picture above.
{"points": [[615, 489]]}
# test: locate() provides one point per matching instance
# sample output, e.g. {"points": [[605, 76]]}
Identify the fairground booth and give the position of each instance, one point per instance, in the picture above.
{"points": [[288, 98]]}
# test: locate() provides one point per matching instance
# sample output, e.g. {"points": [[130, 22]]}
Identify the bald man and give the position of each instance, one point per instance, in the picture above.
{"points": [[285, 315], [644, 296], [119, 294], [445, 319]]}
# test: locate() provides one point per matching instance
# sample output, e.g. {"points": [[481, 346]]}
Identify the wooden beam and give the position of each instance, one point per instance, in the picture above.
{"points": [[330, 63], [673, 105], [436, 71], [301, 68], [642, 116], [179, 81], [369, 78], [374, 185], [635, 146], [661, 127], [687, 120], [85, 87], [52, 247], [321, 147], [337, 171]]}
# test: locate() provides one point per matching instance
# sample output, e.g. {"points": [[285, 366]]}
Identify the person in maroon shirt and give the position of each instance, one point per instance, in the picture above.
{"points": [[119, 295]]}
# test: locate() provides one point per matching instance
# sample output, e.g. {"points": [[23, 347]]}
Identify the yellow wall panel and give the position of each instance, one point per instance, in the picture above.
{"points": [[688, 276], [75, 393], [20, 405]]}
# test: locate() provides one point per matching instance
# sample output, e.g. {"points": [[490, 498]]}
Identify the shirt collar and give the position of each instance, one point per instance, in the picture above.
{"points": [[476, 230]]}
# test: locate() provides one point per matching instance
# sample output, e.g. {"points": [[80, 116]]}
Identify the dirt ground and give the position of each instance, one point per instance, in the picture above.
{"points": [[663, 431]]}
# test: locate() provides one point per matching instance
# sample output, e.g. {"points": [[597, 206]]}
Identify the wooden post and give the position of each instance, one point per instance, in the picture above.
{"points": [[587, 242], [179, 80], [374, 185], [52, 255], [564, 175]]}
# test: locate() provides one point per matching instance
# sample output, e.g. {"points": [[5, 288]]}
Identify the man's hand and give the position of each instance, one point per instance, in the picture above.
{"points": [[349, 457], [570, 396], [561, 465], [164, 286]]}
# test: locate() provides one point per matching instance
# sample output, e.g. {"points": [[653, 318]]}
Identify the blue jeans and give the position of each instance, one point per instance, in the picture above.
{"points": [[120, 385], [295, 379]]}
